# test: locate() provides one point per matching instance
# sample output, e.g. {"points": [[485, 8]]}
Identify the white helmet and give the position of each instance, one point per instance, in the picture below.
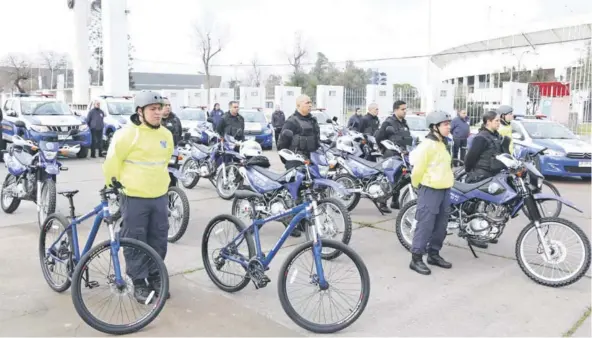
{"points": [[346, 144], [250, 148]]}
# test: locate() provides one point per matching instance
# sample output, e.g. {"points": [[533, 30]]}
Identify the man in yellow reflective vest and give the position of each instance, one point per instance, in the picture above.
{"points": [[138, 157]]}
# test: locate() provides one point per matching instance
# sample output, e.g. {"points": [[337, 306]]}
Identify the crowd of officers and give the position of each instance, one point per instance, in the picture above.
{"points": [[139, 154]]}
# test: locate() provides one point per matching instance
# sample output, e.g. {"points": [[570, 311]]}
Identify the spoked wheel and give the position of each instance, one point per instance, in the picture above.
{"points": [[227, 189], [548, 208], [335, 223], [244, 210], [178, 214], [556, 254], [190, 174], [126, 306], [57, 264], [220, 242], [408, 195], [406, 223], [47, 202], [348, 182], [8, 202], [300, 288]]}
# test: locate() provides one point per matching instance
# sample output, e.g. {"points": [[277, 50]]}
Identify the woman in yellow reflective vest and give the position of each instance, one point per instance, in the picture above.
{"points": [[432, 173]]}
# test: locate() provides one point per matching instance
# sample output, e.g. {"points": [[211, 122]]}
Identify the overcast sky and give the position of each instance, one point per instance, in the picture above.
{"points": [[342, 29]]}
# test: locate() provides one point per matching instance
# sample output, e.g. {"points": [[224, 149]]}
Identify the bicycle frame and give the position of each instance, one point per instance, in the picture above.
{"points": [[301, 212], [101, 211]]}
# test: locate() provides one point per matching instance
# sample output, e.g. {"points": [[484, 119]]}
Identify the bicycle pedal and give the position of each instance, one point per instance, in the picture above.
{"points": [[92, 284]]}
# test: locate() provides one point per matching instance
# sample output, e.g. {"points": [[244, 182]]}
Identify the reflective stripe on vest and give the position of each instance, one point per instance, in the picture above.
{"points": [[145, 163]]}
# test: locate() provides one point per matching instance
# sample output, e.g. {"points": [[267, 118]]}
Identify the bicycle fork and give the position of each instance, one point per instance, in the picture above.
{"points": [[317, 248], [115, 246]]}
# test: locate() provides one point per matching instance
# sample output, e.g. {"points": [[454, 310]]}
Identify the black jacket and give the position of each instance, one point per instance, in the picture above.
{"points": [[94, 119], [481, 155], [369, 124], [401, 136], [306, 134], [173, 124], [278, 118], [232, 125]]}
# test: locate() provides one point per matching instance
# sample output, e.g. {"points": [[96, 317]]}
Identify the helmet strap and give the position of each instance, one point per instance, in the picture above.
{"points": [[143, 119]]}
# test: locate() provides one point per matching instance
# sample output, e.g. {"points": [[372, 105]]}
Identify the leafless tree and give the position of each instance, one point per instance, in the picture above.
{"points": [[255, 75], [19, 69], [298, 53], [54, 62], [209, 44]]}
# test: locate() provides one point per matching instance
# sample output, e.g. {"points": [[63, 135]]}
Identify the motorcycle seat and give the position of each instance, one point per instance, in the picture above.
{"points": [[68, 193], [268, 173], [374, 165], [466, 187]]}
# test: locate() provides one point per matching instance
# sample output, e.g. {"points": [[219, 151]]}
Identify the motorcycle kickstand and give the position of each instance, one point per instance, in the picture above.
{"points": [[377, 207], [471, 247]]}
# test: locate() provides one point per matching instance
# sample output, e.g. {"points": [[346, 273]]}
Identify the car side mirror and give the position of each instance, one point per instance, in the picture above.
{"points": [[186, 136], [20, 124], [77, 113], [329, 121]]}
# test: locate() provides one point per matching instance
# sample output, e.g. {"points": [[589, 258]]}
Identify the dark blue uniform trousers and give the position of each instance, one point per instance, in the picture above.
{"points": [[432, 214], [144, 219]]}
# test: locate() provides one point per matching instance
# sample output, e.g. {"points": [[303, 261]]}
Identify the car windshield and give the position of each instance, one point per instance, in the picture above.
{"points": [[321, 117], [547, 130], [416, 122], [253, 116], [192, 115], [45, 108], [121, 108]]}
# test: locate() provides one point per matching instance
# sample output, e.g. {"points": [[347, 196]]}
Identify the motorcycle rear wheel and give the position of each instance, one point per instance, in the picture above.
{"points": [[8, 205]]}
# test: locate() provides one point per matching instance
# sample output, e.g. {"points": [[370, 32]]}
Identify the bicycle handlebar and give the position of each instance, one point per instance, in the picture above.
{"points": [[113, 188]]}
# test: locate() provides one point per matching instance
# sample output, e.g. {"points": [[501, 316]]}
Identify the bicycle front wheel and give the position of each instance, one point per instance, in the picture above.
{"points": [[139, 296], [299, 273]]}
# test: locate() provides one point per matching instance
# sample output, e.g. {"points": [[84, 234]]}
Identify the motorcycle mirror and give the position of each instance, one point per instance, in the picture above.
{"points": [[329, 121], [335, 118]]}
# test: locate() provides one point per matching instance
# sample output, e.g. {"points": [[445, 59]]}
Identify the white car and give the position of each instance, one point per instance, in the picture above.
{"points": [[118, 111]]}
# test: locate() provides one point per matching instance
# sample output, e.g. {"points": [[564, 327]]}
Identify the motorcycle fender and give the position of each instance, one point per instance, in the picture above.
{"points": [[176, 172], [547, 197], [323, 182]]}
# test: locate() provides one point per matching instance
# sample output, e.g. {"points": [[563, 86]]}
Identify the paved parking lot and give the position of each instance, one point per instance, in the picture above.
{"points": [[489, 296]]}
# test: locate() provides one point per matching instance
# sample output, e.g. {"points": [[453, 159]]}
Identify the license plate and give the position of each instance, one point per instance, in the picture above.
{"points": [[64, 137], [585, 164]]}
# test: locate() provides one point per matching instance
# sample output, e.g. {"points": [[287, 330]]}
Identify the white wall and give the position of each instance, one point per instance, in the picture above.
{"points": [[175, 97], [223, 96], [331, 99], [381, 95], [516, 95], [252, 97], [444, 98], [196, 98], [285, 97]]}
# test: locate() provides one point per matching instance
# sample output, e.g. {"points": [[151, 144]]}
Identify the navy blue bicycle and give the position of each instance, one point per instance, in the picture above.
{"points": [[62, 265], [241, 251]]}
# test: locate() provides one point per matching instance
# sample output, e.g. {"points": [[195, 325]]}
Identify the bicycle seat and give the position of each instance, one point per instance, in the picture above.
{"points": [[268, 173], [68, 193], [466, 187]]}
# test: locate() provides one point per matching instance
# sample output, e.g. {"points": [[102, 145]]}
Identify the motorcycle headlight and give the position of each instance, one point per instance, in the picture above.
{"points": [[550, 152], [50, 155], [39, 129], [83, 127]]}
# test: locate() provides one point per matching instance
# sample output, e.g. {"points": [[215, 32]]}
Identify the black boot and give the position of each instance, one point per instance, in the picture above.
{"points": [[383, 207], [418, 265], [395, 203], [155, 284], [143, 292], [434, 258]]}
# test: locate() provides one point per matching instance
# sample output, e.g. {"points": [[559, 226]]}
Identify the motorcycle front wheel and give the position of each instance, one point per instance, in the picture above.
{"points": [[47, 204], [551, 254], [336, 224], [548, 208], [191, 177], [178, 214], [233, 181]]}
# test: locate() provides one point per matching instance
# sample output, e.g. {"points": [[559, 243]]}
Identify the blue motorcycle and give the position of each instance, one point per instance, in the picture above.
{"points": [[276, 193], [373, 180], [32, 172], [480, 211], [217, 162]]}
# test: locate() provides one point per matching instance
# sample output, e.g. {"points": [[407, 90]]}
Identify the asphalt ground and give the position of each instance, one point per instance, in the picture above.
{"points": [[488, 296]]}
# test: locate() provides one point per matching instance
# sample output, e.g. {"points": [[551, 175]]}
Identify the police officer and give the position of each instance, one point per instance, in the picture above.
{"points": [[395, 129], [301, 134], [506, 114], [354, 121], [432, 173], [370, 123], [232, 123], [171, 121], [138, 157]]}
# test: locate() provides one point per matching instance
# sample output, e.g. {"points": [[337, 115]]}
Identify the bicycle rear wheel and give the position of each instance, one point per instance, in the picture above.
{"points": [[57, 267], [351, 311], [128, 297]]}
